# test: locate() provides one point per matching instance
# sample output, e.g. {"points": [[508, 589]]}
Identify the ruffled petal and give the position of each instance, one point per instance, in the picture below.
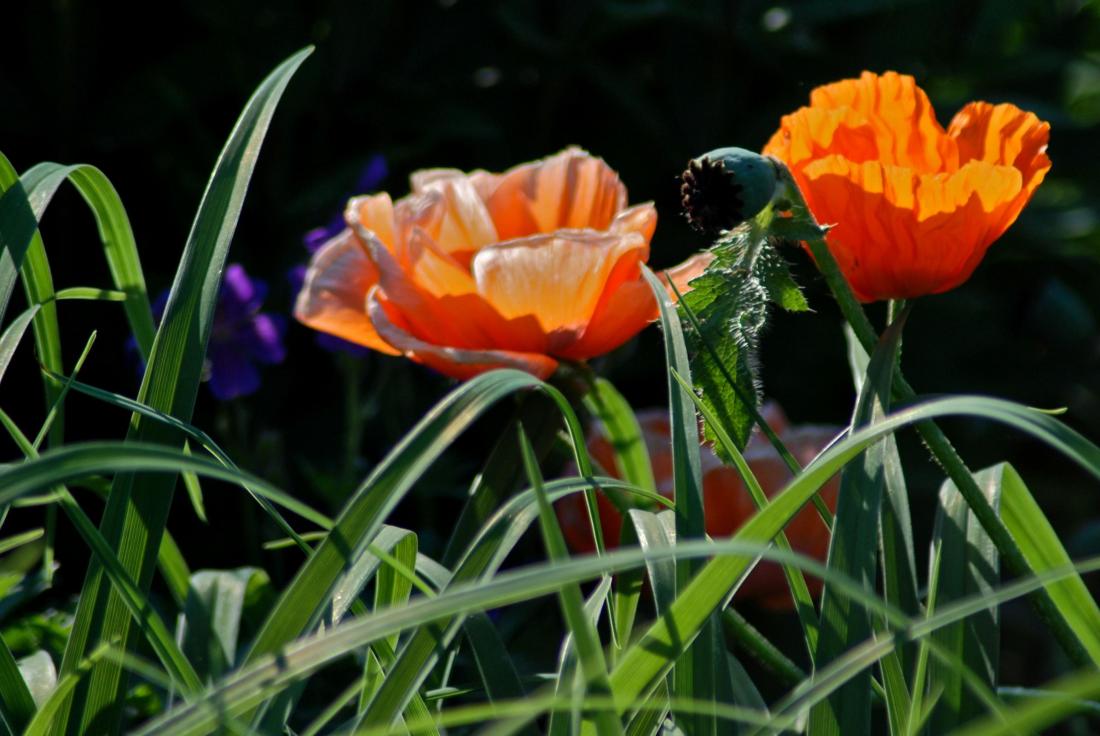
{"points": [[375, 213], [462, 225], [333, 296], [1003, 135], [900, 234], [899, 113], [452, 361], [572, 189], [558, 279]]}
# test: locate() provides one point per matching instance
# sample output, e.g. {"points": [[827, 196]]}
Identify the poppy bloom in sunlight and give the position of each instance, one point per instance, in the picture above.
{"points": [[726, 502], [476, 271], [913, 206]]}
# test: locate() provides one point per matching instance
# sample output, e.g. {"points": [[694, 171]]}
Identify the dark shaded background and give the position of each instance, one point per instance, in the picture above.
{"points": [[646, 85]]}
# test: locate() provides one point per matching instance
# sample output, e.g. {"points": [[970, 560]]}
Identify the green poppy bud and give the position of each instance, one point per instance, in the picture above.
{"points": [[723, 188]]}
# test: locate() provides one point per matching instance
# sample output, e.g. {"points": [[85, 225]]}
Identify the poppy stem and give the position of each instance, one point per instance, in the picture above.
{"points": [[948, 457]]}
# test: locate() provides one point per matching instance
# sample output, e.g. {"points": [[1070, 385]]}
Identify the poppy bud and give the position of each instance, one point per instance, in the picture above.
{"points": [[723, 188]]}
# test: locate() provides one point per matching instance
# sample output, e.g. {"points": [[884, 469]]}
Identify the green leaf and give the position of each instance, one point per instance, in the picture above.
{"points": [[651, 657], [137, 507], [964, 563], [775, 275], [696, 674], [17, 704], [566, 685], [18, 224], [12, 336], [1043, 550], [212, 615], [586, 639], [853, 549], [623, 433], [1062, 698]]}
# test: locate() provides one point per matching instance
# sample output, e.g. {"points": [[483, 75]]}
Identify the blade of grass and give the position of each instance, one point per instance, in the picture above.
{"points": [[138, 506], [966, 563], [586, 639], [651, 657], [853, 549], [1078, 641], [796, 582], [694, 673], [18, 225], [244, 689]]}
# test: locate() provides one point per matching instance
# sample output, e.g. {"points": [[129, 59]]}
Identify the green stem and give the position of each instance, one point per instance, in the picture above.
{"points": [[948, 458]]}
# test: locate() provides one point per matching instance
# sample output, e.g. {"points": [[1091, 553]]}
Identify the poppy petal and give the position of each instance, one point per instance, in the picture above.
{"points": [[332, 298], [373, 212], [455, 362], [572, 189], [558, 278]]}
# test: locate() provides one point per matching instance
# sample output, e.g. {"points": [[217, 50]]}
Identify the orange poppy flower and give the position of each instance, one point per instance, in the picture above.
{"points": [[477, 271], [726, 502], [914, 207]]}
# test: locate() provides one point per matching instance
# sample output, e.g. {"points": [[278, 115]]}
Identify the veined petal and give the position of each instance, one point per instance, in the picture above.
{"points": [[900, 114], [455, 362], [439, 308], [373, 212], [558, 278], [1006, 135], [333, 296], [572, 189], [641, 219], [463, 226]]}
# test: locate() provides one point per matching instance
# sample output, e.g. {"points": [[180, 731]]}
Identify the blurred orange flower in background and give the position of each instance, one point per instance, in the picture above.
{"points": [[914, 206], [476, 271], [726, 501]]}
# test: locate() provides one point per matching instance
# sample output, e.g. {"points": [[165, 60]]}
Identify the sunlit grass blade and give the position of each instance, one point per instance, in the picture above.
{"points": [[964, 563], [1053, 703], [1043, 550], [652, 656], [796, 582], [1069, 634], [566, 684], [115, 233], [18, 225], [502, 471], [206, 442], [271, 674], [853, 549], [17, 707], [13, 335], [362, 516], [694, 674], [586, 639], [622, 431], [138, 506]]}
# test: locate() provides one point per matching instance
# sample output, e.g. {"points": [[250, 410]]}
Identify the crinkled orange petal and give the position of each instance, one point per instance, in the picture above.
{"points": [[333, 297], [900, 234], [641, 219], [557, 278], [571, 189], [900, 114], [452, 361]]}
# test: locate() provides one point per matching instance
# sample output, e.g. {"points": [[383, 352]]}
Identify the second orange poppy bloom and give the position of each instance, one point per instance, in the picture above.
{"points": [[913, 207], [475, 271]]}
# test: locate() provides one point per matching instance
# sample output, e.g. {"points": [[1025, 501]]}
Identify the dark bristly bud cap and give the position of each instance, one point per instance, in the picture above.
{"points": [[723, 188]]}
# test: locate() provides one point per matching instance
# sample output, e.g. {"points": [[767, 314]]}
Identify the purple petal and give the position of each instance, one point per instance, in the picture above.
{"points": [[237, 285], [263, 339], [231, 373], [296, 277], [318, 236], [374, 173]]}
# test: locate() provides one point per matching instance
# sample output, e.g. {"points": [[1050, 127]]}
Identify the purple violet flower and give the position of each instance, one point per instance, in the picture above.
{"points": [[372, 175], [242, 336]]}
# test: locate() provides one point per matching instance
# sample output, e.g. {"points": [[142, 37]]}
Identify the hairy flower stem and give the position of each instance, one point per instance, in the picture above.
{"points": [[948, 458]]}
